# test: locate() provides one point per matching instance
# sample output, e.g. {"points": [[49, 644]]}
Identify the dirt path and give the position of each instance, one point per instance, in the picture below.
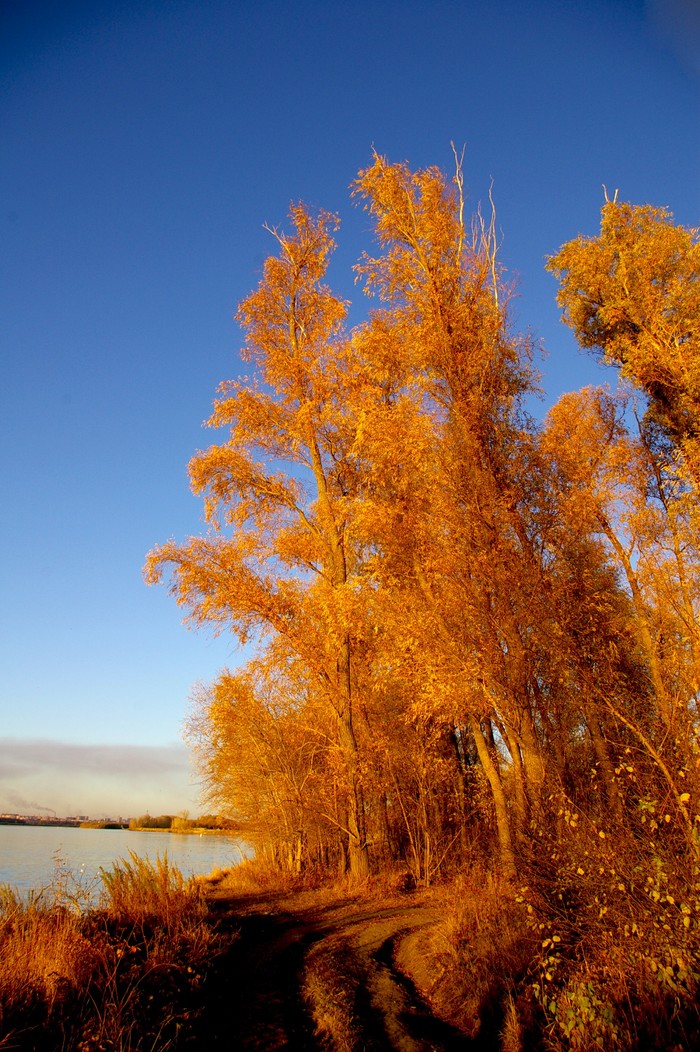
{"points": [[309, 974]]}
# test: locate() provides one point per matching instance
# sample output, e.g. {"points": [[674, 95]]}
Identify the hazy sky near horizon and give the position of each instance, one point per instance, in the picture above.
{"points": [[144, 146]]}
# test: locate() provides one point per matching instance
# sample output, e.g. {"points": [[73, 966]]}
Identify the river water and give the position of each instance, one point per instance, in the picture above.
{"points": [[32, 856]]}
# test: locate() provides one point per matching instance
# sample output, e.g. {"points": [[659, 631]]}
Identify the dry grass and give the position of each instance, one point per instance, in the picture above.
{"points": [[119, 977], [139, 890], [154, 898], [332, 978], [468, 964], [47, 961], [256, 876]]}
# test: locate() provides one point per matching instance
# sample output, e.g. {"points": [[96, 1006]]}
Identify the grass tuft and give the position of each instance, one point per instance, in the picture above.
{"points": [[147, 895]]}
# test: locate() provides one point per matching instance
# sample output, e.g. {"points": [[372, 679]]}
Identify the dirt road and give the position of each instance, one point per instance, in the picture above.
{"points": [[302, 974]]}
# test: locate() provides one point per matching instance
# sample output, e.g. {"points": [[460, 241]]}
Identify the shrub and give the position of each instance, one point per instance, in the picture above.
{"points": [[616, 914]]}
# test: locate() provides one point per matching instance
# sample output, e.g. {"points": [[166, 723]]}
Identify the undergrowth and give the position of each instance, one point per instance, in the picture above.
{"points": [[617, 917], [596, 948]]}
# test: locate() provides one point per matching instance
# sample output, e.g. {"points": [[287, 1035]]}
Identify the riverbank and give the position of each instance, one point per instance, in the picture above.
{"points": [[285, 966], [244, 959]]}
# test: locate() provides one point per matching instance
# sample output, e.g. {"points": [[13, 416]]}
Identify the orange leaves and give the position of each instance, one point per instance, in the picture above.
{"points": [[262, 749], [583, 433], [218, 582], [417, 211], [634, 294], [434, 584], [634, 279], [291, 317], [257, 420], [445, 313], [238, 490]]}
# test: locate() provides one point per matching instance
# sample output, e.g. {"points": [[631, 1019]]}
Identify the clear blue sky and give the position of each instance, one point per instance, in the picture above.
{"points": [[144, 145]]}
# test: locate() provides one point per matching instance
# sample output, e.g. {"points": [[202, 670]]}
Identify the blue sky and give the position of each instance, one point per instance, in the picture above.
{"points": [[144, 146]]}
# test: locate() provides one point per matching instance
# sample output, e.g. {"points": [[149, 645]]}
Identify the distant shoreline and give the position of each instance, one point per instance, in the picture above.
{"points": [[196, 831], [97, 823], [29, 820]]}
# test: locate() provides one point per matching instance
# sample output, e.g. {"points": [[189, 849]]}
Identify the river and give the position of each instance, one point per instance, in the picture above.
{"points": [[32, 856]]}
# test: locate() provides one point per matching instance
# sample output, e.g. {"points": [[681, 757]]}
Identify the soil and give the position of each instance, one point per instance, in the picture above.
{"points": [[303, 972]]}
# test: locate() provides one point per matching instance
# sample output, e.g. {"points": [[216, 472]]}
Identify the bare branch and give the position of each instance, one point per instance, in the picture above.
{"points": [[459, 180]]}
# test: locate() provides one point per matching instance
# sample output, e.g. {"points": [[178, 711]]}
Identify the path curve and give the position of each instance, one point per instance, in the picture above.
{"points": [[305, 973]]}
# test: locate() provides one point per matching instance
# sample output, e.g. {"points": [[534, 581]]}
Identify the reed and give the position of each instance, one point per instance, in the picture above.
{"points": [[120, 976], [153, 896]]}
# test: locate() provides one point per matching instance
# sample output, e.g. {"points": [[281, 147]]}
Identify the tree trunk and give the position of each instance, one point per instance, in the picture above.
{"points": [[605, 764], [358, 854], [493, 775]]}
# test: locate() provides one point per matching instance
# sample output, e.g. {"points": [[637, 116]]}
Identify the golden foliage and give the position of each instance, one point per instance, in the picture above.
{"points": [[468, 626]]}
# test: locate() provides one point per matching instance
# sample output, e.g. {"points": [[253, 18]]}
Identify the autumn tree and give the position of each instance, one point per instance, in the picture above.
{"points": [[264, 748], [278, 560], [633, 295], [611, 491], [459, 615], [448, 445]]}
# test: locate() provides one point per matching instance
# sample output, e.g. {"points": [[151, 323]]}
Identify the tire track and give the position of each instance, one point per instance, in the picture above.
{"points": [[304, 976]]}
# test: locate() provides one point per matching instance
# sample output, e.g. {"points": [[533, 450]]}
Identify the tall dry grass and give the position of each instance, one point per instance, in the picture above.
{"points": [[333, 977], [156, 901], [48, 964], [121, 976], [261, 875]]}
